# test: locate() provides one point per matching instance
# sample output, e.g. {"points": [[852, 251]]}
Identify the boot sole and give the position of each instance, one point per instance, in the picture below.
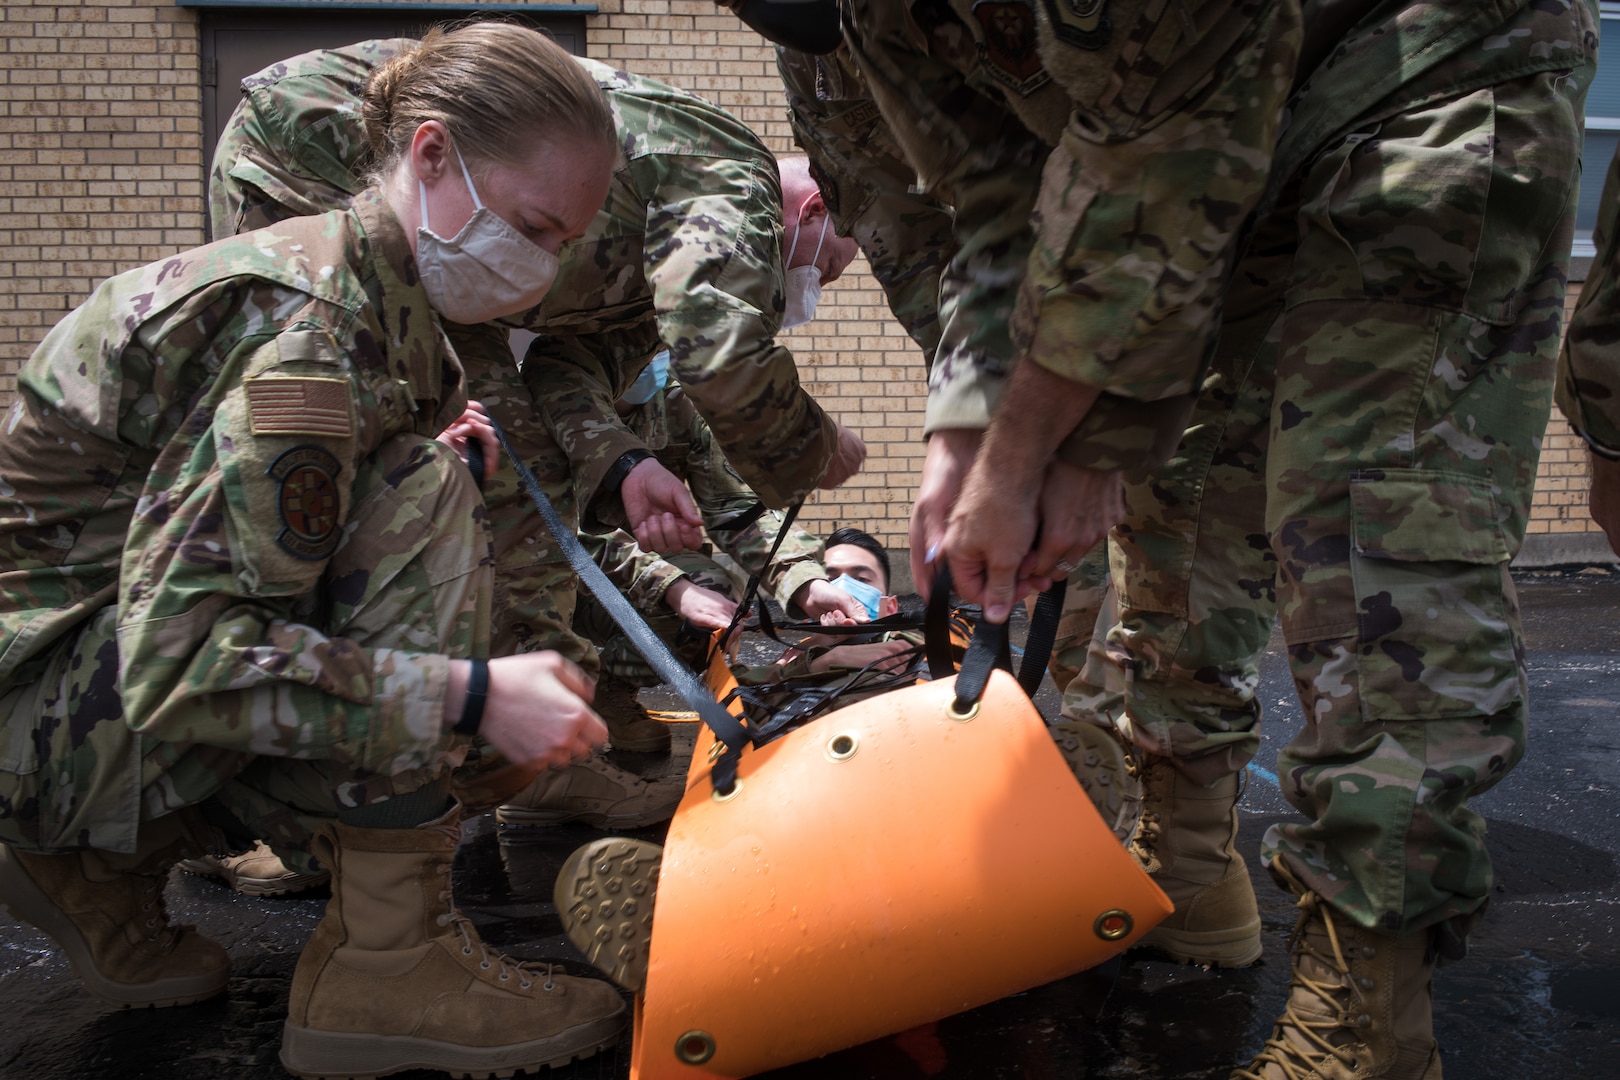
{"points": [[604, 895], [342, 1055], [1233, 947], [1104, 772], [27, 902]]}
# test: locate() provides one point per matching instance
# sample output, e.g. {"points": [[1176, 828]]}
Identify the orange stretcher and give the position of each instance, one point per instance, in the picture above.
{"points": [[888, 864]]}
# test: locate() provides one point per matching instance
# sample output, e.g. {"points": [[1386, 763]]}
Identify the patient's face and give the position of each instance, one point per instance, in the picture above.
{"points": [[858, 563]]}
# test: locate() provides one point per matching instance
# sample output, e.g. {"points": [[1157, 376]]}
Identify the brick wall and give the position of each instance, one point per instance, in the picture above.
{"points": [[101, 170], [100, 155]]}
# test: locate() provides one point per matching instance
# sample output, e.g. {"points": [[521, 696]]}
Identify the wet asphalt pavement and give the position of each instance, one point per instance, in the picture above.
{"points": [[1538, 996]]}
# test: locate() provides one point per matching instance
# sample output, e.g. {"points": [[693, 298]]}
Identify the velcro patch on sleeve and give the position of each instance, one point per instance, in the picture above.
{"points": [[282, 405]]}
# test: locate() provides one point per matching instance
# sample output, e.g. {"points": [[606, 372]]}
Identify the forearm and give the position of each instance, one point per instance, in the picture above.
{"points": [[1035, 417]]}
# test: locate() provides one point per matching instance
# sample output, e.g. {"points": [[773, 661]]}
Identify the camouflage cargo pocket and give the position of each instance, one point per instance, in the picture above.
{"points": [[1431, 583]]}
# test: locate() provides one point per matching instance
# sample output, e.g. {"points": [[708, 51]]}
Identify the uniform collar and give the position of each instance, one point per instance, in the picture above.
{"points": [[416, 346]]}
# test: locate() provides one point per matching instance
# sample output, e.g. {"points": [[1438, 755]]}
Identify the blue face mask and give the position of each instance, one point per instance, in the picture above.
{"points": [[869, 595], [653, 378]]}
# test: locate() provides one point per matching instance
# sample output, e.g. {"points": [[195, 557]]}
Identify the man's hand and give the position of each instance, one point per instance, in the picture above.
{"points": [[821, 597], [849, 453], [659, 509], [1603, 500], [536, 711], [701, 607], [473, 424], [1077, 508], [1016, 485], [945, 466]]}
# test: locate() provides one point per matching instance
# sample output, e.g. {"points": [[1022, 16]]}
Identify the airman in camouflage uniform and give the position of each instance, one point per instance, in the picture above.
{"points": [[243, 587], [685, 255], [662, 586], [1589, 367], [295, 144], [733, 517], [1364, 440]]}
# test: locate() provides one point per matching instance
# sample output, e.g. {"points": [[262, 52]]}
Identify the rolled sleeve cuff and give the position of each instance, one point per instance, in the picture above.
{"points": [[647, 594], [794, 577], [406, 729]]}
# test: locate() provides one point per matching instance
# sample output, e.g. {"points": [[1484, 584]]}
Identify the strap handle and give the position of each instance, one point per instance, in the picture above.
{"points": [[727, 728], [990, 647]]}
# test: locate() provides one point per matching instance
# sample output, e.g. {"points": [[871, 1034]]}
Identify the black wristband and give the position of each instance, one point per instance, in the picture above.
{"points": [[472, 706], [614, 479]]}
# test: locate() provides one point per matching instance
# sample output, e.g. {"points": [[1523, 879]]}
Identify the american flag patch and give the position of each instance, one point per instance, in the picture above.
{"points": [[278, 405]]}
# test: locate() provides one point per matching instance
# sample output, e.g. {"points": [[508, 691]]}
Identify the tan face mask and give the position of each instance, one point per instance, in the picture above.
{"points": [[486, 270]]}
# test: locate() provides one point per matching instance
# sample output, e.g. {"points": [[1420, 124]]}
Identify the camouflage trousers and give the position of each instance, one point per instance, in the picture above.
{"points": [[1360, 467], [1089, 609], [75, 774], [619, 656]]}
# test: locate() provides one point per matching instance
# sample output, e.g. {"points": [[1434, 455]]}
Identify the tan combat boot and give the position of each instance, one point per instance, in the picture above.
{"points": [[396, 978], [1105, 769], [1360, 1005], [256, 872], [629, 726], [106, 912], [593, 793], [1187, 843]]}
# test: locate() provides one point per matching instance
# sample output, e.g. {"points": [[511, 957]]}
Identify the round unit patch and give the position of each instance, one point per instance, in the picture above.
{"points": [[307, 499]]}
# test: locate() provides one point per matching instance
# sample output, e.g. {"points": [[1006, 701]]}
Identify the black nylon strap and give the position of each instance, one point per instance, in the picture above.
{"points": [[731, 733], [739, 521], [1043, 628], [752, 588], [937, 625], [991, 646]]}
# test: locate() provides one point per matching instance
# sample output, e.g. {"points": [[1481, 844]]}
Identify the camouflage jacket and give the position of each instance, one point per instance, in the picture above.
{"points": [[1086, 120], [1589, 366], [867, 186], [681, 441], [686, 250], [151, 459]]}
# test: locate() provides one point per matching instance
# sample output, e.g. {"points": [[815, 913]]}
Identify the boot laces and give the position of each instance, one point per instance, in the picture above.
{"points": [[156, 912], [528, 972], [1150, 827], [1293, 1060]]}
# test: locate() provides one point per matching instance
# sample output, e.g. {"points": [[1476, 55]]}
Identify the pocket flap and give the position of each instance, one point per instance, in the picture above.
{"points": [[1422, 515]]}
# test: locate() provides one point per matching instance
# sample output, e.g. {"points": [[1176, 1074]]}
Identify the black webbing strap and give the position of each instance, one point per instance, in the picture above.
{"points": [[739, 520], [727, 728], [990, 648], [752, 588], [1043, 631]]}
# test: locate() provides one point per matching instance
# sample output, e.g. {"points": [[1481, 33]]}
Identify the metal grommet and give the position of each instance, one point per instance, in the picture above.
{"points": [[695, 1047], [962, 717], [719, 796], [842, 746], [1114, 925]]}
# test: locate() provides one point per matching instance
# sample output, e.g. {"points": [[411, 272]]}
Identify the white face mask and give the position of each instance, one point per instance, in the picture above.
{"points": [[803, 282], [486, 270]]}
